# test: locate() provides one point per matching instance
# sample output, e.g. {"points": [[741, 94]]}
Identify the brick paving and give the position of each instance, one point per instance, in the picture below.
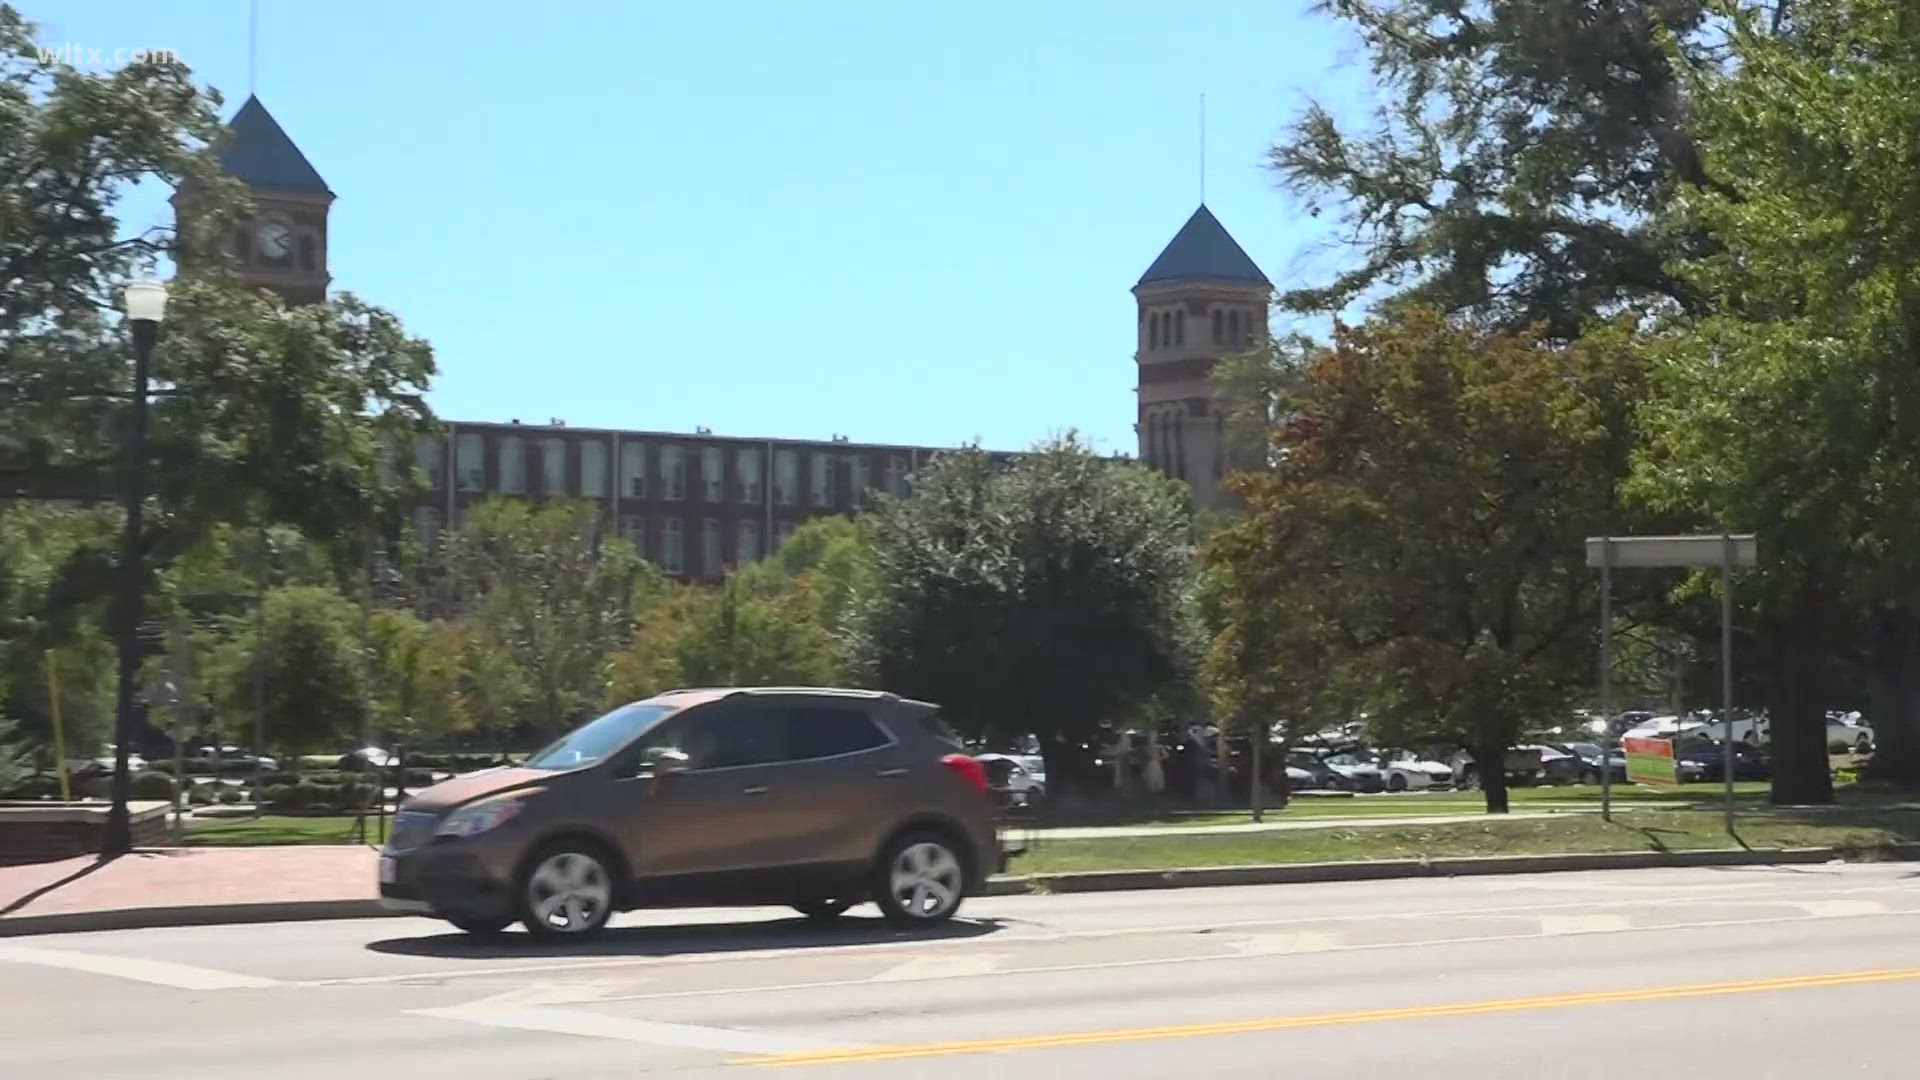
{"points": [[183, 877]]}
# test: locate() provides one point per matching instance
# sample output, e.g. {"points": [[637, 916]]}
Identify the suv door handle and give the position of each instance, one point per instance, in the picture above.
{"points": [[757, 789], [888, 774]]}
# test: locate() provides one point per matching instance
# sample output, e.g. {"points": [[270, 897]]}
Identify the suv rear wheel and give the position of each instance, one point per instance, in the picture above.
{"points": [[566, 890], [920, 879]]}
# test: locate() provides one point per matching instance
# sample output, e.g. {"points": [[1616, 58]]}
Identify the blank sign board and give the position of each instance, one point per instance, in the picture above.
{"points": [[1672, 551]]}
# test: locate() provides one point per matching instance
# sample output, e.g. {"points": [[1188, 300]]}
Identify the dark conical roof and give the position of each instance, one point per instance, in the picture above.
{"points": [[1203, 250], [261, 154]]}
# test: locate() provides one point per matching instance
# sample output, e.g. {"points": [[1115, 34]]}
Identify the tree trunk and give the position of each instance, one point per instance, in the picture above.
{"points": [[1801, 774], [1896, 719], [1490, 761]]}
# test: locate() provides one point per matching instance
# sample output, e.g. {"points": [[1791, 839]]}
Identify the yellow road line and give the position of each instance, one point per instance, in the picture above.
{"points": [[1283, 1023]]}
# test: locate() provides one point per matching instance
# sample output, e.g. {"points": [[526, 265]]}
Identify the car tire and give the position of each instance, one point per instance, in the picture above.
{"points": [[820, 910], [1589, 777], [920, 879], [1396, 782], [490, 926], [1863, 745], [566, 890]]}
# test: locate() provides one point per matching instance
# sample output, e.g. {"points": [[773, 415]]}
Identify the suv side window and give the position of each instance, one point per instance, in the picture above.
{"points": [[737, 736], [822, 731]]}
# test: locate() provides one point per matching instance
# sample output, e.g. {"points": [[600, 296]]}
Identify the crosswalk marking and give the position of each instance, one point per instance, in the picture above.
{"points": [[603, 1026], [1302, 941], [157, 972], [943, 967]]}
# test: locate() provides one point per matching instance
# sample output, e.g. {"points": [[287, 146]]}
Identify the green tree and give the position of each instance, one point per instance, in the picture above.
{"points": [[265, 413], [1792, 410], [1514, 166], [418, 673], [313, 678], [547, 594], [1420, 536], [1042, 601]]}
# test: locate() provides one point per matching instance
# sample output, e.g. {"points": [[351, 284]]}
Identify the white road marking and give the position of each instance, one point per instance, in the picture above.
{"points": [[943, 967], [157, 972], [1208, 958], [1583, 924], [923, 945], [1304, 941], [602, 1026], [552, 993], [1840, 909]]}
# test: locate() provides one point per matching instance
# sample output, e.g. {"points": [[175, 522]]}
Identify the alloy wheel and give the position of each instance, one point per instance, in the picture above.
{"points": [[569, 893], [926, 880]]}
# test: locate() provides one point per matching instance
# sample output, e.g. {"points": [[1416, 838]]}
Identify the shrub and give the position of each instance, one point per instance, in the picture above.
{"points": [[153, 785], [230, 796], [200, 794], [36, 786]]}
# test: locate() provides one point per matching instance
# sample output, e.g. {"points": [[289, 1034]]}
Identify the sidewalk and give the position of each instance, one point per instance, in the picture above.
{"points": [[187, 877], [1356, 821]]}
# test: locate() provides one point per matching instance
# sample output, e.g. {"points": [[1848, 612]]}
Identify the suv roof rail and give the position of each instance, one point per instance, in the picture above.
{"points": [[837, 691]]}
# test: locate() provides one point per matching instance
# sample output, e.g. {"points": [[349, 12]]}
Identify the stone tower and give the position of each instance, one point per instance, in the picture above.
{"points": [[283, 247], [1202, 299]]}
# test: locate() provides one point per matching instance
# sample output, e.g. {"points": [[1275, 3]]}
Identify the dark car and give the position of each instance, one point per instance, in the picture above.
{"points": [[814, 798], [1701, 759], [1579, 763]]}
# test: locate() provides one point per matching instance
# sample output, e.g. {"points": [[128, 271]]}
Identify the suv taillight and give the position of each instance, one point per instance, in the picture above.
{"points": [[975, 772]]}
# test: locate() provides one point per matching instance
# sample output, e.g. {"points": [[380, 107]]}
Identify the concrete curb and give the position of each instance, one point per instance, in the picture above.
{"points": [[1036, 884]]}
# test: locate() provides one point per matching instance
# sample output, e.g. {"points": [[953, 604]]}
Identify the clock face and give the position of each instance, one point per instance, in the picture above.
{"points": [[275, 240]]}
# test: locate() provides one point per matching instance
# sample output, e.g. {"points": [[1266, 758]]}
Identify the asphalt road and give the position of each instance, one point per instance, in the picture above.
{"points": [[1754, 973]]}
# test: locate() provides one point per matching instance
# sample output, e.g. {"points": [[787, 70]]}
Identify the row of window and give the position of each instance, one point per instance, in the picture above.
{"points": [[669, 545], [670, 472], [738, 735], [1232, 327], [1166, 446]]}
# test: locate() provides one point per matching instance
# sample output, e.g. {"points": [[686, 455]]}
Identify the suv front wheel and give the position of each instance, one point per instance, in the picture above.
{"points": [[566, 890], [920, 880]]}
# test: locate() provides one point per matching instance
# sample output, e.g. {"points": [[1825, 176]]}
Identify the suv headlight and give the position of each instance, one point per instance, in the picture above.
{"points": [[469, 820]]}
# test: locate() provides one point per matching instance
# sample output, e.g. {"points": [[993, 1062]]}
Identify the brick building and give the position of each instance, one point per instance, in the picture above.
{"points": [[693, 504], [697, 504]]}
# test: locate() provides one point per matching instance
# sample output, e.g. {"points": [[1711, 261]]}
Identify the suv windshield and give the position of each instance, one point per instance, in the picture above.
{"points": [[597, 740]]}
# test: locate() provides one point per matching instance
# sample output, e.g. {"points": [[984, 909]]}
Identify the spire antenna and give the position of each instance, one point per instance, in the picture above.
{"points": [[253, 47], [1203, 149]]}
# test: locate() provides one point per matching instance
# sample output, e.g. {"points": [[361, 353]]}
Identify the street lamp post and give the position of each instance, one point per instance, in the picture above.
{"points": [[146, 301]]}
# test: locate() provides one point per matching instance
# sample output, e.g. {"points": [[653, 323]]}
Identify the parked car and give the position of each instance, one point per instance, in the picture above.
{"points": [[1408, 771], [1559, 765], [1592, 755], [1703, 759], [1351, 768], [1011, 780], [1846, 732], [1522, 766], [815, 798]]}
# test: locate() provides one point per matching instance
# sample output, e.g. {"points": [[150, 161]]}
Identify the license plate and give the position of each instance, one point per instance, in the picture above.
{"points": [[386, 870]]}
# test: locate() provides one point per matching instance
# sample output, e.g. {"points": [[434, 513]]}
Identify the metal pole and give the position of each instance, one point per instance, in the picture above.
{"points": [[1256, 738], [260, 672], [59, 730], [119, 832], [1726, 666], [366, 687], [1606, 679]]}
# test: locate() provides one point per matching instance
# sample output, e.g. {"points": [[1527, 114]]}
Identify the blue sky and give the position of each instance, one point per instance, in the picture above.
{"points": [[899, 223]]}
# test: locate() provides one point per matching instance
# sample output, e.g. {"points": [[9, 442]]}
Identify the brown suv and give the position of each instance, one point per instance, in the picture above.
{"points": [[814, 798]]}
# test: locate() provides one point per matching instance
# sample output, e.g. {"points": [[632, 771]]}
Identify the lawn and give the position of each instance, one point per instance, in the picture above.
{"points": [[1859, 828], [273, 829]]}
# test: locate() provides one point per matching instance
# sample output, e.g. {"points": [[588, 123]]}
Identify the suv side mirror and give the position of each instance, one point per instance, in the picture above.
{"points": [[659, 761]]}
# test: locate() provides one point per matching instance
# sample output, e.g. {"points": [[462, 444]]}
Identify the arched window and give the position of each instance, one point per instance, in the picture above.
{"points": [[1219, 337], [307, 249], [1233, 327], [1153, 330], [1180, 328]]}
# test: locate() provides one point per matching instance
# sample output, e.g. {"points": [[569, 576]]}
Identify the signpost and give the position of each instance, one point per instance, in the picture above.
{"points": [[1650, 761], [1725, 551]]}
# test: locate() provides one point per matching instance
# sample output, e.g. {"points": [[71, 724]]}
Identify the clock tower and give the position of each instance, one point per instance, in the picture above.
{"points": [[1202, 300], [283, 246]]}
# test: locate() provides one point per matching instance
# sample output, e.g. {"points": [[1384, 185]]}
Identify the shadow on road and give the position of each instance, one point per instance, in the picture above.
{"points": [[680, 939]]}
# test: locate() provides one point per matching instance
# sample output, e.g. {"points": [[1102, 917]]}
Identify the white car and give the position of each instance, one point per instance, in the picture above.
{"points": [[1021, 786], [1408, 772], [1846, 732]]}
